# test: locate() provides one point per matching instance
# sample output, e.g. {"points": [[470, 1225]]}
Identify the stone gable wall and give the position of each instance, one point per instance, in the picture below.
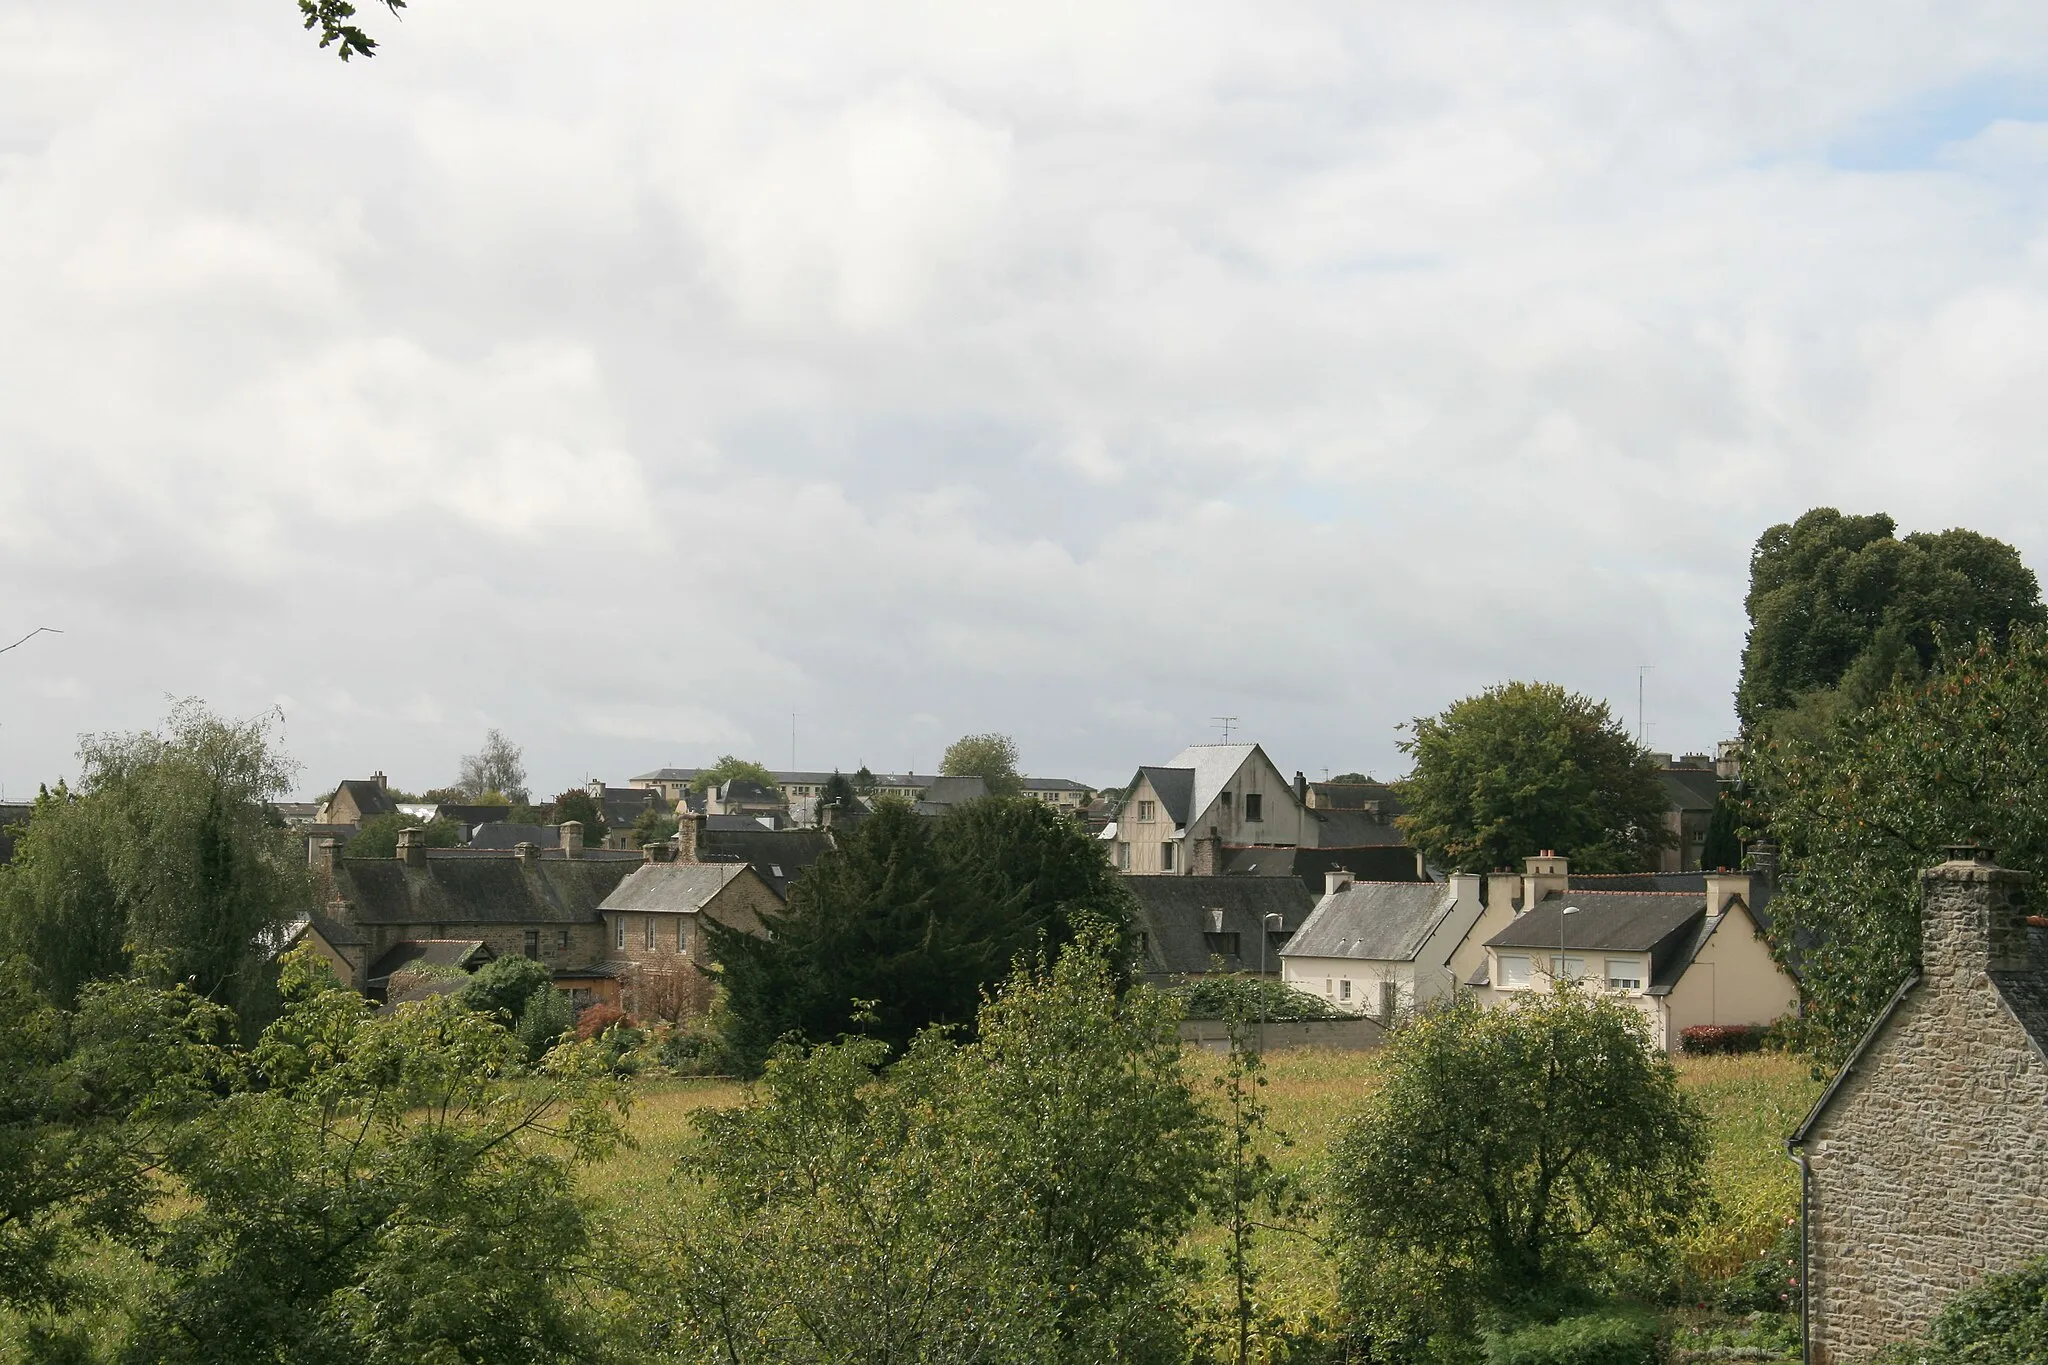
{"points": [[1930, 1168]]}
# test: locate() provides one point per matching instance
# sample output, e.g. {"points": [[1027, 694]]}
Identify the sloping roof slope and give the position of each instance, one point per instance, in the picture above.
{"points": [[778, 856], [1213, 765], [1177, 913], [1374, 921], [1176, 788], [1690, 788], [1311, 866], [671, 888], [1611, 921], [369, 796], [468, 889], [945, 792], [503, 834], [1355, 829]]}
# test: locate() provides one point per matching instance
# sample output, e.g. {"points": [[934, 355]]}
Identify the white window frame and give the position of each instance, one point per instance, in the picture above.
{"points": [[1144, 811], [620, 925], [1567, 968], [1624, 974], [650, 933], [1166, 856], [1516, 972], [1345, 987]]}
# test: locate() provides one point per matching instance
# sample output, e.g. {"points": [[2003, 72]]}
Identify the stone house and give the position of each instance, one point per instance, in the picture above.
{"points": [[1186, 925], [1682, 957], [1383, 948], [655, 921], [358, 799], [1692, 788], [1926, 1159]]}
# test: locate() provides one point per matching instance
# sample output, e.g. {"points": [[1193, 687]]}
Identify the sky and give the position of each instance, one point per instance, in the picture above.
{"points": [[635, 377]]}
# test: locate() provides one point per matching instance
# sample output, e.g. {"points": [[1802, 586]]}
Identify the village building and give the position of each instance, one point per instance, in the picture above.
{"points": [[1383, 948], [655, 922], [358, 799], [1926, 1159], [1193, 926], [1684, 958]]}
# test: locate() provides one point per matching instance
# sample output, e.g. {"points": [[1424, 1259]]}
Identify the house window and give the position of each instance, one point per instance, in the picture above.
{"points": [[1390, 998], [1253, 803], [533, 943], [1514, 973], [1144, 810], [621, 926], [1329, 988], [562, 938], [1123, 857], [650, 932], [1144, 942], [1624, 974], [1344, 989], [1166, 856], [1223, 944], [1224, 798], [1568, 968], [683, 935]]}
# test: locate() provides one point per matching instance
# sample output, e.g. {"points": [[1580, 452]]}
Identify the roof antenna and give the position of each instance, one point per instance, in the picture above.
{"points": [[1226, 722], [1641, 669]]}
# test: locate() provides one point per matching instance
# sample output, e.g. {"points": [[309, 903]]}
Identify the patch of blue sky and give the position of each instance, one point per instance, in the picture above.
{"points": [[1910, 135]]}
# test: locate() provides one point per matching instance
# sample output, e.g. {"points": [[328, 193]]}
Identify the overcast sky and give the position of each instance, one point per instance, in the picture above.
{"points": [[631, 375]]}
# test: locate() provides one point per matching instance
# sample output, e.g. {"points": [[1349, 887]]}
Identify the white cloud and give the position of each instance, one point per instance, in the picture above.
{"points": [[632, 380]]}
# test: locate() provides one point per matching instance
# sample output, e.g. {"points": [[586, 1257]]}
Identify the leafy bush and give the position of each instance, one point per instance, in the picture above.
{"points": [[595, 1019], [503, 987], [1612, 1336], [1703, 1040], [542, 1021], [1209, 997], [2003, 1321], [1770, 1283]]}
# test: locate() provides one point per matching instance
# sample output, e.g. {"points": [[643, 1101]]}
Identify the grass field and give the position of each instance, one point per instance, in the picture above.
{"points": [[1751, 1103]]}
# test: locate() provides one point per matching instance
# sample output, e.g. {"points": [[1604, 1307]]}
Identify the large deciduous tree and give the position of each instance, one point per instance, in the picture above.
{"points": [[496, 770], [1524, 767], [377, 837], [990, 757], [1511, 1153], [1839, 602], [730, 767], [330, 18], [167, 858], [1959, 754]]}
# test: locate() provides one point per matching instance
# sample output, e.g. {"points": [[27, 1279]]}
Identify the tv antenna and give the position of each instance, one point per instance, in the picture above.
{"points": [[1226, 722], [1641, 669]]}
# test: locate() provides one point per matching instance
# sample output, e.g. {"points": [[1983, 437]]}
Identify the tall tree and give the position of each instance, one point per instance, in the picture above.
{"points": [[729, 768], [909, 920], [1840, 602], [168, 858], [837, 793], [1509, 1152], [1959, 754], [498, 767], [580, 806], [990, 757], [377, 837], [1524, 767]]}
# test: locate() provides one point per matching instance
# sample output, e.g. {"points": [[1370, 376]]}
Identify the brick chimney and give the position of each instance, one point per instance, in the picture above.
{"points": [[1973, 919], [1335, 880], [572, 838], [412, 847], [526, 853], [1543, 874], [1205, 855], [689, 836], [1724, 886], [1502, 888]]}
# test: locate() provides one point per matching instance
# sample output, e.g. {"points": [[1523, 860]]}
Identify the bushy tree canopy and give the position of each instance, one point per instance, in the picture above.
{"points": [[582, 807], [167, 857], [991, 757], [915, 917], [498, 769], [1858, 812], [1838, 600], [377, 837], [1524, 767], [727, 769], [1512, 1152]]}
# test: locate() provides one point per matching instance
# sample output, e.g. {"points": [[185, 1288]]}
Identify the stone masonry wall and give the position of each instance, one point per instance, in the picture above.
{"points": [[1930, 1168]]}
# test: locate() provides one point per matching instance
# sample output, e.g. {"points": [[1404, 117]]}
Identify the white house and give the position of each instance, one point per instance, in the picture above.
{"points": [[1177, 817], [1383, 948]]}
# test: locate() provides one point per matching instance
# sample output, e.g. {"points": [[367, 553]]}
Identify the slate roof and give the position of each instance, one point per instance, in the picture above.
{"points": [[1355, 829], [1356, 796], [1384, 863], [747, 790], [777, 856], [340, 933], [427, 952], [1175, 913], [1758, 902], [1175, 788], [624, 805], [471, 816], [1690, 788], [1611, 921], [503, 834], [733, 824], [369, 796], [671, 888], [1213, 765], [457, 887], [1374, 921], [946, 792]]}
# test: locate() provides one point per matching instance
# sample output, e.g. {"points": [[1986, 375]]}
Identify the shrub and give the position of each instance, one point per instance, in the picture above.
{"points": [[1207, 997], [1706, 1040], [542, 1021], [1612, 1336], [595, 1019], [2003, 1321], [503, 987], [1770, 1283]]}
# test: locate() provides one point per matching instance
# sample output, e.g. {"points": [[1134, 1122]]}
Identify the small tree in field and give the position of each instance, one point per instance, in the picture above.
{"points": [[1517, 1151]]}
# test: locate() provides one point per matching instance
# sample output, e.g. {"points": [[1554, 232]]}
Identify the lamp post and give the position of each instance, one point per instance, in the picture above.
{"points": [[1557, 979], [1265, 927]]}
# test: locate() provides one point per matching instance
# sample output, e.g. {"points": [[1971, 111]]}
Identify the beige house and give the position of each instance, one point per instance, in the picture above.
{"points": [[655, 925], [1383, 948], [357, 799], [1178, 817], [1682, 957], [1926, 1159]]}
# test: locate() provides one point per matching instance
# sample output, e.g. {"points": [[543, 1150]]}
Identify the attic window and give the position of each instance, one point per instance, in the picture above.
{"points": [[1224, 945], [1144, 810], [1252, 803], [775, 868]]}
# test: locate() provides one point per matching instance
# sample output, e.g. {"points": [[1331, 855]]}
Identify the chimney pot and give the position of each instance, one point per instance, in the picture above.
{"points": [[526, 853], [689, 836], [572, 838], [412, 847], [1335, 880], [383, 784], [1973, 918], [324, 853]]}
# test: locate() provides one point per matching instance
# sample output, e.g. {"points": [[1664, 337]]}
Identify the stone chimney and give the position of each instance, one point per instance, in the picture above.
{"points": [[1724, 886], [1502, 887], [572, 838], [1465, 887], [320, 857], [383, 783], [1543, 874], [689, 836], [1205, 855], [1335, 880], [412, 847], [526, 853], [1973, 919]]}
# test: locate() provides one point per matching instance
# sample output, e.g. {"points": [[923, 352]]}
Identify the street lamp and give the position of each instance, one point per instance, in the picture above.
{"points": [[1265, 928], [1557, 979]]}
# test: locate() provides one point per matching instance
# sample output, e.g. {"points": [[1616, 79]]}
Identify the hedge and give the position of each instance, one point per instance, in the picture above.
{"points": [[1704, 1040]]}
